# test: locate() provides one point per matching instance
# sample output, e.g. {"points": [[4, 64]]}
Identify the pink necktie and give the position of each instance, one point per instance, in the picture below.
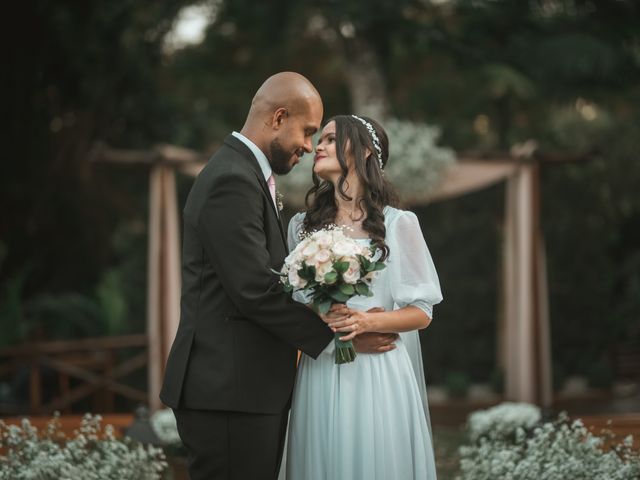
{"points": [[271, 182]]}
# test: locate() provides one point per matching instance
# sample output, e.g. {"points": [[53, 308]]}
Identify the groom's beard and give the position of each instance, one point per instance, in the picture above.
{"points": [[280, 158]]}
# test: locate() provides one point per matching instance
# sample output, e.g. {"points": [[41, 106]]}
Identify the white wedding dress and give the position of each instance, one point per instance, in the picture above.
{"points": [[369, 420]]}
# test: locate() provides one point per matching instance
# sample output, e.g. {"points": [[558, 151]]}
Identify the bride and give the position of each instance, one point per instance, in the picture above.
{"points": [[367, 419]]}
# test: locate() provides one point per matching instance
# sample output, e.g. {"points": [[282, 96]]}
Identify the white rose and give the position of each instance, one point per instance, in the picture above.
{"points": [[296, 255], [345, 248], [310, 249], [352, 275], [294, 278], [322, 269], [322, 256], [290, 260], [323, 239]]}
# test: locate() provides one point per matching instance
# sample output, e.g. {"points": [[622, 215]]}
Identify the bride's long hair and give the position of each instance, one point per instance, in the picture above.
{"points": [[377, 192]]}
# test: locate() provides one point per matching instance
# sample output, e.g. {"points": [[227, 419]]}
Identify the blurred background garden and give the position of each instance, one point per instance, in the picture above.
{"points": [[554, 82]]}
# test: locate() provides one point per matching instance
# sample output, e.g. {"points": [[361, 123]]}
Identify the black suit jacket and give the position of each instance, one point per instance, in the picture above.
{"points": [[236, 344]]}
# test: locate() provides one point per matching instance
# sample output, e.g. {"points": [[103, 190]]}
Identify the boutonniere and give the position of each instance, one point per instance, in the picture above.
{"points": [[279, 199]]}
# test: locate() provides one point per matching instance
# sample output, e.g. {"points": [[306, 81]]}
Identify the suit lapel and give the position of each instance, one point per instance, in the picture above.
{"points": [[284, 236], [241, 148]]}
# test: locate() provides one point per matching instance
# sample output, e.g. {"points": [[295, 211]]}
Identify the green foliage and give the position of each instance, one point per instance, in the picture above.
{"points": [[458, 384], [12, 322], [496, 381], [464, 237], [600, 375], [363, 289], [84, 72], [115, 305]]}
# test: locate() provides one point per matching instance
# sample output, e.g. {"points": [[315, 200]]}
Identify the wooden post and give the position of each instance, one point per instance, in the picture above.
{"points": [[542, 334], [163, 298], [520, 371], [527, 353], [154, 295]]}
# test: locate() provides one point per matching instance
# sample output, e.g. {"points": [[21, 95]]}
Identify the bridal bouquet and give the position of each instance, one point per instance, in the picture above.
{"points": [[330, 267]]}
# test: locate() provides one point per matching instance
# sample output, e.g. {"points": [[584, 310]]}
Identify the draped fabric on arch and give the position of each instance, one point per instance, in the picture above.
{"points": [[524, 341]]}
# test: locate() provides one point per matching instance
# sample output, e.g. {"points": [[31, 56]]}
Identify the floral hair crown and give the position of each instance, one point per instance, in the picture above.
{"points": [[374, 137]]}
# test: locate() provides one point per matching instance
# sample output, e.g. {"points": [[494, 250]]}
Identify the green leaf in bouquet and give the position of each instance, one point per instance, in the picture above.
{"points": [[331, 277], [344, 350], [371, 267], [323, 305], [315, 304], [341, 267], [363, 289], [338, 296], [288, 288], [379, 266], [347, 289], [307, 272]]}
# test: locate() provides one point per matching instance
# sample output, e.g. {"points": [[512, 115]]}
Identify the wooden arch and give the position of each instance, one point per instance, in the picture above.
{"points": [[524, 334]]}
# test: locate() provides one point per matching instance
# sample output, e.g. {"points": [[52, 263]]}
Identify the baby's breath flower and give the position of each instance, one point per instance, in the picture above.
{"points": [[92, 453], [508, 446]]}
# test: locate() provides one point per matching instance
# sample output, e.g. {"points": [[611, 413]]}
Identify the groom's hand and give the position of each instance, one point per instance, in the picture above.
{"points": [[374, 342]]}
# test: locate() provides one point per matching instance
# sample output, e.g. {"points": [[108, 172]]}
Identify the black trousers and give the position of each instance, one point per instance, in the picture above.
{"points": [[232, 445]]}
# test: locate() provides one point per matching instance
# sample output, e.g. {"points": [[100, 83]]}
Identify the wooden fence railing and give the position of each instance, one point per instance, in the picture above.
{"points": [[81, 368]]}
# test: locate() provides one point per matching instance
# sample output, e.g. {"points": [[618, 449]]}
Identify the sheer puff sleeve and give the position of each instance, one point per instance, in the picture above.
{"points": [[294, 230], [412, 275]]}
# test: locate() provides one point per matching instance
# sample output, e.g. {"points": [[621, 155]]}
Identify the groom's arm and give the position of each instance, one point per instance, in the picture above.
{"points": [[231, 226], [374, 342], [369, 342]]}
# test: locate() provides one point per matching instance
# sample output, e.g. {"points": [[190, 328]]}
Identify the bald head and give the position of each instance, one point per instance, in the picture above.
{"points": [[285, 112], [285, 89]]}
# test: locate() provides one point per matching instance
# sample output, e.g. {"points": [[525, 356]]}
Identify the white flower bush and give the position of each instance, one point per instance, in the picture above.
{"points": [[502, 420], [416, 162], [92, 454], [559, 450]]}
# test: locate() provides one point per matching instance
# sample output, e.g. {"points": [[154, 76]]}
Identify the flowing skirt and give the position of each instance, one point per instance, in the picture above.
{"points": [[359, 421]]}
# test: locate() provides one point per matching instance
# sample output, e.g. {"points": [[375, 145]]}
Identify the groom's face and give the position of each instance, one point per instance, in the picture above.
{"points": [[294, 138]]}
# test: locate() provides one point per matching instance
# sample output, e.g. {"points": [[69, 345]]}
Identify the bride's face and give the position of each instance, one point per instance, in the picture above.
{"points": [[325, 163]]}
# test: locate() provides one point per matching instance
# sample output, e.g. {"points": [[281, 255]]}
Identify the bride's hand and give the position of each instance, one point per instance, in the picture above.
{"points": [[356, 323]]}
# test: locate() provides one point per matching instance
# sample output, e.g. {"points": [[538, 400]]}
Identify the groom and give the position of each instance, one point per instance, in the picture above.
{"points": [[230, 373]]}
